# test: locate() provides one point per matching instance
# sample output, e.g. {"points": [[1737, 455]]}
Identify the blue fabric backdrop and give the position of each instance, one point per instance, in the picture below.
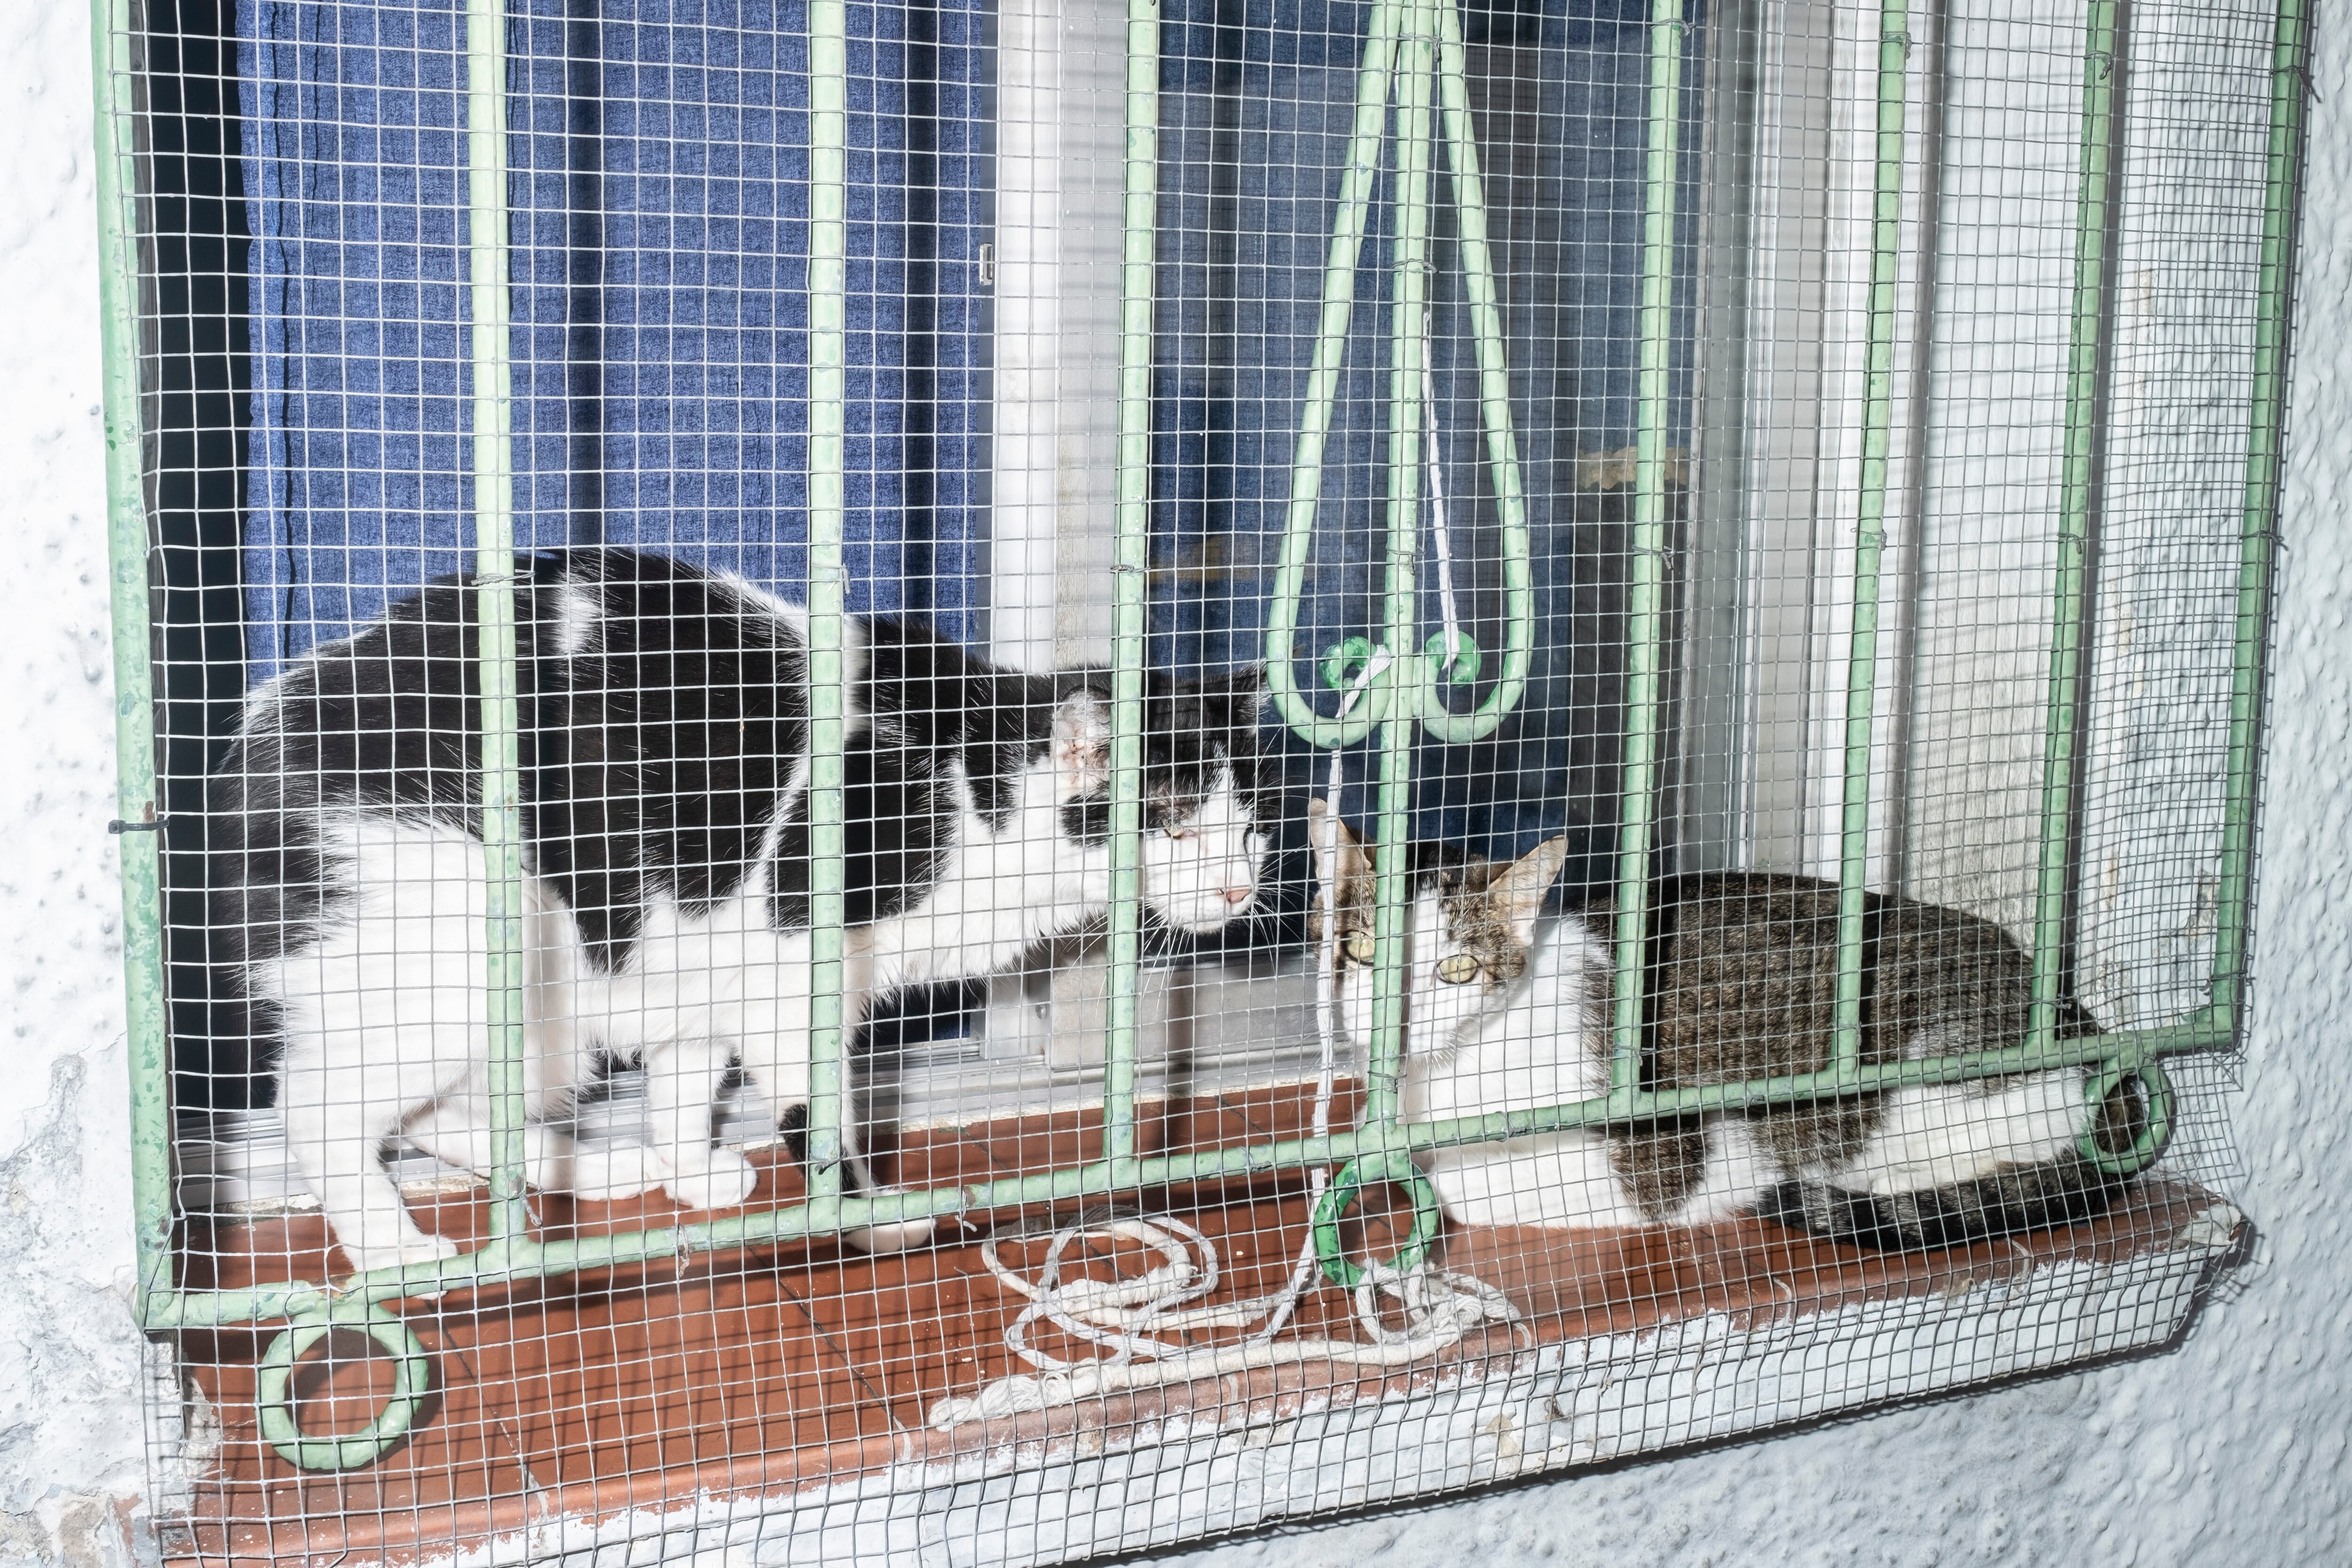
{"points": [[659, 219], [658, 206]]}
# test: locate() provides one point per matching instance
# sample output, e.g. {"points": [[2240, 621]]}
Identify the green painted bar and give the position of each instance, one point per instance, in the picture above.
{"points": [[486, 261], [1359, 179], [1406, 680], [1431, 40], [507, 1262], [828, 695], [136, 803], [1870, 529], [2258, 530], [1469, 188], [1644, 607], [1132, 559], [2095, 200], [1409, 214]]}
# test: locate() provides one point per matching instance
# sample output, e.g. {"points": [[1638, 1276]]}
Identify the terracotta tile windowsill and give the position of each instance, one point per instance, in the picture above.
{"points": [[770, 1374]]}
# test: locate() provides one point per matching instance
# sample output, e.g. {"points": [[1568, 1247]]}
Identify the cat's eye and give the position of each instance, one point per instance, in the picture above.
{"points": [[1458, 968], [1179, 832], [1358, 948]]}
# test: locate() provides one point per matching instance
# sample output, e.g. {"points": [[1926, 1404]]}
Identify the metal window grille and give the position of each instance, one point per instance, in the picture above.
{"points": [[1768, 439]]}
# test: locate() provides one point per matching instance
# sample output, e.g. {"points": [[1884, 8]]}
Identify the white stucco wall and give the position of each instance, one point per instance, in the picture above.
{"points": [[69, 1359], [2229, 1452]]}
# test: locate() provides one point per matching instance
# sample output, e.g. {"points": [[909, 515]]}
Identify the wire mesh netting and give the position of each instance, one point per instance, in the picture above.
{"points": [[1003, 782]]}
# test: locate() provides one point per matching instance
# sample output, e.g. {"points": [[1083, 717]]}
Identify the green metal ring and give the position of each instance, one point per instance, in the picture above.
{"points": [[2153, 1136], [273, 1394], [1343, 661], [1340, 1196], [1466, 660]]}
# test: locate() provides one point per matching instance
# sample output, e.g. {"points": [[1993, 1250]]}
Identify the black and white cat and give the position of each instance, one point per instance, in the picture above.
{"points": [[1507, 1009], [664, 742]]}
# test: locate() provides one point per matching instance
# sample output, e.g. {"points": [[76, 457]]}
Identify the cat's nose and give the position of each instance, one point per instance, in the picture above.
{"points": [[1237, 897]]}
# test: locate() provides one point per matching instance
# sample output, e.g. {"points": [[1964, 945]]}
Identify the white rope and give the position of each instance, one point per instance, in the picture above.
{"points": [[1124, 1316], [1439, 530], [1437, 1308]]}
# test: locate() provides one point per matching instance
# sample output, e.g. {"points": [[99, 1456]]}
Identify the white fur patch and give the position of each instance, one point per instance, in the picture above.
{"points": [[1202, 871], [1949, 1132], [578, 614], [385, 1021], [1534, 1047]]}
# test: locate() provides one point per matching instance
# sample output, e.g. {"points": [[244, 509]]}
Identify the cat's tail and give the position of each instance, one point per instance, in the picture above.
{"points": [[2010, 1200]]}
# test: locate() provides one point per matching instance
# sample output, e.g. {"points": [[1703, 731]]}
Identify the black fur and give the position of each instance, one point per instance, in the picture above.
{"points": [[2015, 1200], [653, 761], [2008, 1203]]}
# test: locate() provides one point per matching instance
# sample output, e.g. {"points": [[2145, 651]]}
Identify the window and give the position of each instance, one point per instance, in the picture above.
{"points": [[1735, 907]]}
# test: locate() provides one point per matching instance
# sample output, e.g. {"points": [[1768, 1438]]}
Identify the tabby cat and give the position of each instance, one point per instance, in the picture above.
{"points": [[1507, 1009]]}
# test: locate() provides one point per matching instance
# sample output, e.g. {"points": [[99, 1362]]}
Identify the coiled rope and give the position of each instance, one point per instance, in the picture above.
{"points": [[1126, 1317]]}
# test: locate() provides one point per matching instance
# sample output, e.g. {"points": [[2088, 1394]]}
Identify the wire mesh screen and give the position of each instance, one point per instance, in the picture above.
{"points": [[999, 783]]}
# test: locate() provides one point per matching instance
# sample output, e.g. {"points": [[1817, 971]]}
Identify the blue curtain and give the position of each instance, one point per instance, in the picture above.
{"points": [[659, 203], [658, 206]]}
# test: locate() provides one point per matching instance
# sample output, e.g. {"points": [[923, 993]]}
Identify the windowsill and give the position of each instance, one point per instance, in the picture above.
{"points": [[704, 1395]]}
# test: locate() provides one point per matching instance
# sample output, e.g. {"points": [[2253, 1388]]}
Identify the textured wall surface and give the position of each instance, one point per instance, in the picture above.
{"points": [[69, 1358], [2229, 1451]]}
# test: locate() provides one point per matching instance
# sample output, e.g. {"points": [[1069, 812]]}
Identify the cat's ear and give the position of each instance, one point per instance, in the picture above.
{"points": [[1231, 703], [1244, 689], [1354, 877], [1518, 894], [1081, 744]]}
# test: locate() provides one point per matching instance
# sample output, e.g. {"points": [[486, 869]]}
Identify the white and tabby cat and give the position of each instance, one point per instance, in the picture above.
{"points": [[665, 770], [1508, 1010]]}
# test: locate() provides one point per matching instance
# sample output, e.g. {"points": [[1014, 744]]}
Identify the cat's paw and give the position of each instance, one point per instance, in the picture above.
{"points": [[899, 1238], [417, 1248], [722, 1180], [607, 1176]]}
